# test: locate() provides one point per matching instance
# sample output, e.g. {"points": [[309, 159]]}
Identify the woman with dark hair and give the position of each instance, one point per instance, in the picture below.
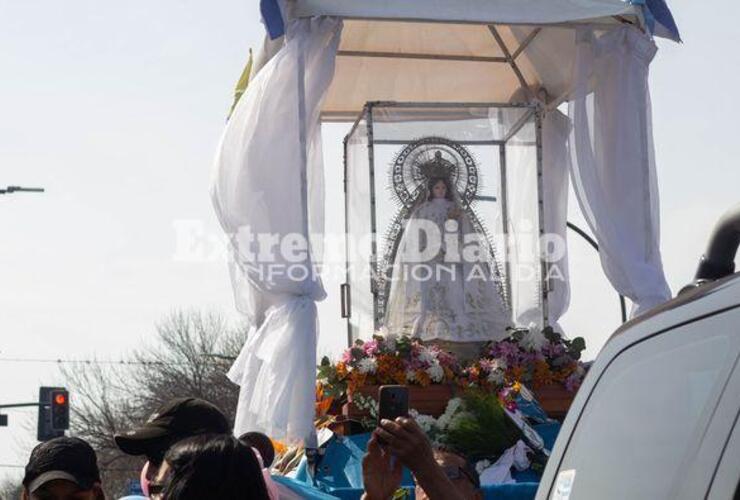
{"points": [[209, 466]]}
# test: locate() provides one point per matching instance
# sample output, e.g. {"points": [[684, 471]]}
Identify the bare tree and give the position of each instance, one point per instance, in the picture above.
{"points": [[10, 490], [189, 358]]}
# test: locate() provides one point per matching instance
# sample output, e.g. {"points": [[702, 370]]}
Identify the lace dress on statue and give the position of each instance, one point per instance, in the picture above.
{"points": [[451, 295]]}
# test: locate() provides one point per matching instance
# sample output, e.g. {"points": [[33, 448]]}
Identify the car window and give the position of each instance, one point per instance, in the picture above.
{"points": [[636, 428]]}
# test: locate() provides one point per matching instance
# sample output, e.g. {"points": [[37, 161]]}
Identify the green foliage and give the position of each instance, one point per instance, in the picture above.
{"points": [[576, 347], [332, 384], [483, 430]]}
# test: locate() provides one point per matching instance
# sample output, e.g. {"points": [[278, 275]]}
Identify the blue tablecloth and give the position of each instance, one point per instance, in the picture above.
{"points": [[340, 472]]}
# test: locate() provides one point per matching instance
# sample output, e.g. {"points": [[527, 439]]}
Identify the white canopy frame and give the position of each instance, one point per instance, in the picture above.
{"points": [[321, 72]]}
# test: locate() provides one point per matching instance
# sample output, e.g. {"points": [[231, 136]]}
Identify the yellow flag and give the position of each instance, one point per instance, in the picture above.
{"points": [[241, 85]]}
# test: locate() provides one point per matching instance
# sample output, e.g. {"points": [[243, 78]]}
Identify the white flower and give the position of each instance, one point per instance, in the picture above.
{"points": [[426, 422], [452, 406], [481, 466], [427, 356], [534, 339], [410, 375], [499, 364], [367, 365], [436, 373], [496, 377]]}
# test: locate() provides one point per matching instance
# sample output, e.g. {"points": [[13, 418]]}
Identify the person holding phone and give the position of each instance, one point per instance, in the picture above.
{"points": [[439, 475]]}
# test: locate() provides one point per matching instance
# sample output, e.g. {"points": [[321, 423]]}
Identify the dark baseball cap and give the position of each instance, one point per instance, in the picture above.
{"points": [[68, 458], [175, 420]]}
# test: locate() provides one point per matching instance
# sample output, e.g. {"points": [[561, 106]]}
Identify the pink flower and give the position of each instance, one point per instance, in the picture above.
{"points": [[486, 364], [371, 347]]}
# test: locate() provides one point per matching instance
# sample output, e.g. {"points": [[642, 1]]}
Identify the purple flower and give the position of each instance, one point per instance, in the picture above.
{"points": [[506, 349], [573, 382]]}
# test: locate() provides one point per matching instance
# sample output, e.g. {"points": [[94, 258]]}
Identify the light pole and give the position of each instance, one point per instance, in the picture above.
{"points": [[19, 189]]}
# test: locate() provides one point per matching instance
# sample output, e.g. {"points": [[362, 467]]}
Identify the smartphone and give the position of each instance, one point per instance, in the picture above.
{"points": [[394, 402]]}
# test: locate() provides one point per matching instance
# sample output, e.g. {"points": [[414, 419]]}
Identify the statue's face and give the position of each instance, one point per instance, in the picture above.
{"points": [[439, 190]]}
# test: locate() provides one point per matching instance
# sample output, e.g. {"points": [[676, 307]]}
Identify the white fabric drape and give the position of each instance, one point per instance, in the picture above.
{"points": [[269, 181], [524, 253], [525, 244], [555, 132], [613, 167]]}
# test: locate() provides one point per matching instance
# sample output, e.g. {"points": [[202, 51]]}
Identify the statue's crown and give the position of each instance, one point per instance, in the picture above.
{"points": [[436, 167]]}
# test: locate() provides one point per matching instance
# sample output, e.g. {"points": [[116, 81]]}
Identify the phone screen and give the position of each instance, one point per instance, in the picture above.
{"points": [[394, 402]]}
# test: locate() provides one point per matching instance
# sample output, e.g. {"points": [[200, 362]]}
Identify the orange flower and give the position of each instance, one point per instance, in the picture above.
{"points": [[280, 448], [516, 373], [542, 374], [342, 369], [422, 378], [388, 368], [322, 406], [356, 380]]}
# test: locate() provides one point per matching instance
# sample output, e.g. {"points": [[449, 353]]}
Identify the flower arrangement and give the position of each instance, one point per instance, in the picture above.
{"points": [[474, 425], [387, 360], [530, 356]]}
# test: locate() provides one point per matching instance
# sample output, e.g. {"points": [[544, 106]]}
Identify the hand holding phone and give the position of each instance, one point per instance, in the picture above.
{"points": [[394, 402]]}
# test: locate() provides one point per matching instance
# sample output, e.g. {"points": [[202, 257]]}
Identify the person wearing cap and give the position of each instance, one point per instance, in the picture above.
{"points": [[63, 468], [176, 420]]}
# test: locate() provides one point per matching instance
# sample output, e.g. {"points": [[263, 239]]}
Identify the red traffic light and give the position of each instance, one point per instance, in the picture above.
{"points": [[60, 398]]}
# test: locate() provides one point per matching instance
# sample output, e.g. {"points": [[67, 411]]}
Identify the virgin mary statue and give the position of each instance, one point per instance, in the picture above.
{"points": [[444, 281]]}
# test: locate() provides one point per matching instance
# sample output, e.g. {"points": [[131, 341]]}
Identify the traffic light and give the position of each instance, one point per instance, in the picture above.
{"points": [[53, 412], [60, 409]]}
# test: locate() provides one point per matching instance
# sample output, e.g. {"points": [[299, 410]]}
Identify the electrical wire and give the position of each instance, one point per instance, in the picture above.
{"points": [[87, 361]]}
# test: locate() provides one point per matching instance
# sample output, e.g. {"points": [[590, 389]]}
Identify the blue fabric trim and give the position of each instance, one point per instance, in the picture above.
{"points": [[340, 470], [303, 489], [662, 15], [273, 18], [659, 19]]}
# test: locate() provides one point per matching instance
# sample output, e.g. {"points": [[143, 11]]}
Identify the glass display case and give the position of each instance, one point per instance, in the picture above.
{"points": [[487, 159]]}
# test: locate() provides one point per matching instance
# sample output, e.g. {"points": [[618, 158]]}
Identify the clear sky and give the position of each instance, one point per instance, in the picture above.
{"points": [[116, 108]]}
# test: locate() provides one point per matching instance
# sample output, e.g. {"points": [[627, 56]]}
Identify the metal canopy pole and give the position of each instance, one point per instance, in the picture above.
{"points": [[303, 141], [511, 61], [346, 312], [373, 220], [544, 263], [414, 55], [505, 221], [525, 43], [517, 126]]}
